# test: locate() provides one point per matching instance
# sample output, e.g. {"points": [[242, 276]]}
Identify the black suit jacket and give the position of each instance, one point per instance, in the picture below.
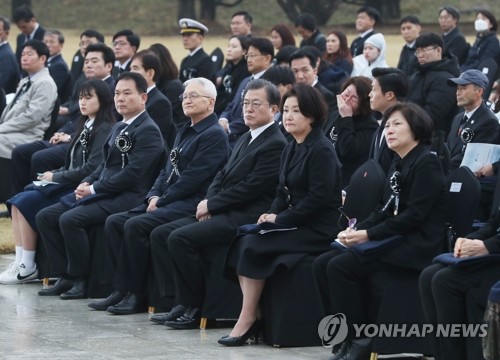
{"points": [[245, 187], [74, 169], [9, 69], [329, 97], [198, 65], [126, 186], [308, 193], [160, 110], [358, 44], [483, 124], [59, 71], [408, 62], [421, 211], [455, 43], [21, 39]]}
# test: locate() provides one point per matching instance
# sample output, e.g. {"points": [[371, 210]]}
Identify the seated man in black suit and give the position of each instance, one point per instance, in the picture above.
{"points": [[477, 123], [58, 69], [200, 150], [133, 157], [87, 37], [125, 45], [158, 106], [238, 194]]}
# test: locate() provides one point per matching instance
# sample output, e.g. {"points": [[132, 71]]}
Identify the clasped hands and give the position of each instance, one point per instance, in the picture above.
{"points": [[60, 137], [350, 237], [82, 190], [469, 247], [270, 218]]}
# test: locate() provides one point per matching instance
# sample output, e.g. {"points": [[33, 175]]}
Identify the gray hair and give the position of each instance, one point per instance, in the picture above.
{"points": [[60, 36], [208, 86], [6, 23]]}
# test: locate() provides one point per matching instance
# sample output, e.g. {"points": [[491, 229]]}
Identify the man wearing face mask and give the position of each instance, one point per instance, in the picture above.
{"points": [[486, 45]]}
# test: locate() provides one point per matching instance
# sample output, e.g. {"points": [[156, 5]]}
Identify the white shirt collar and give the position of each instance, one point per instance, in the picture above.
{"points": [[130, 121], [363, 34], [256, 132], [151, 88], [470, 113], [195, 51]]}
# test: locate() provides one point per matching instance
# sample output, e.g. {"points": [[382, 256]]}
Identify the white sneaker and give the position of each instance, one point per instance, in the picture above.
{"points": [[27, 274], [11, 269], [10, 276]]}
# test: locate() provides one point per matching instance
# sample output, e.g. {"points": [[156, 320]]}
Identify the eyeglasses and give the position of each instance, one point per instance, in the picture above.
{"points": [[254, 104], [251, 56], [351, 222], [347, 93], [424, 51], [120, 43], [192, 96]]}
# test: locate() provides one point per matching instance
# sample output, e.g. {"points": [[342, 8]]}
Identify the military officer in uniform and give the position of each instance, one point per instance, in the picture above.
{"points": [[198, 62]]}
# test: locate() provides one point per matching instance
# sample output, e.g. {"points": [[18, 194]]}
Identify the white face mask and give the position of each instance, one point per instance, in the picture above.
{"points": [[480, 25]]}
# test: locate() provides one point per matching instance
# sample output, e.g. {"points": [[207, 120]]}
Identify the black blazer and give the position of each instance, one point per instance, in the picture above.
{"points": [[380, 152], [203, 150], [127, 186], [421, 211], [484, 125], [9, 69], [358, 44], [160, 110], [329, 97], [309, 193], [198, 65], [59, 71], [232, 75], [74, 170], [408, 62], [245, 187], [455, 43], [21, 38]]}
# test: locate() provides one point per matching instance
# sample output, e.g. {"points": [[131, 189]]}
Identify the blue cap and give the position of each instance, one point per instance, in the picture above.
{"points": [[472, 76]]}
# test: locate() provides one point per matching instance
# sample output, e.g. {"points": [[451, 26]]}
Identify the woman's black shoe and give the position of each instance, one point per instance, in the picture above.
{"points": [[240, 340]]}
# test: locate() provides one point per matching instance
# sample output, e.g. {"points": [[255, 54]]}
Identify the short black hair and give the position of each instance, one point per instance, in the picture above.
{"points": [[272, 92], [373, 13], [39, 46], [311, 103], [22, 13], [279, 75], [307, 21], [248, 18], [429, 39], [149, 61], [411, 19], [392, 79], [107, 53], [140, 82], [284, 53], [421, 125], [132, 38], [301, 53], [91, 33], [453, 11], [264, 45], [6, 23]]}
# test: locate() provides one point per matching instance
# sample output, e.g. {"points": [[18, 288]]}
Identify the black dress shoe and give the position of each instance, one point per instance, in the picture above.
{"points": [[356, 351], [62, 285], [78, 291], [253, 331], [174, 313], [113, 299], [130, 304], [189, 320]]}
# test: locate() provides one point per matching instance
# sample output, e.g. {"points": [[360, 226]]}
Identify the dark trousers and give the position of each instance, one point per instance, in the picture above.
{"points": [[342, 282], [443, 291], [64, 234], [36, 157], [182, 243], [127, 244]]}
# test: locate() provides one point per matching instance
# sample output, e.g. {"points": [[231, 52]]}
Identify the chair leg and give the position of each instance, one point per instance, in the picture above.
{"points": [[373, 356], [45, 283], [203, 323]]}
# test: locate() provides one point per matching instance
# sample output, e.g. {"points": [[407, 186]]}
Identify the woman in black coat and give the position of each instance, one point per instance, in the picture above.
{"points": [[352, 129], [230, 76], [408, 228], [307, 199], [83, 157]]}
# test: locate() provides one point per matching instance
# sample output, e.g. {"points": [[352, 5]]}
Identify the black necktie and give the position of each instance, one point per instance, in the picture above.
{"points": [[21, 91], [462, 124], [116, 132]]}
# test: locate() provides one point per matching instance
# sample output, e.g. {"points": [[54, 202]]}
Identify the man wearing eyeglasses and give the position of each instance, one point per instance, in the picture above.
{"points": [[199, 151], [125, 45], [238, 195], [197, 63], [259, 58], [427, 87]]}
